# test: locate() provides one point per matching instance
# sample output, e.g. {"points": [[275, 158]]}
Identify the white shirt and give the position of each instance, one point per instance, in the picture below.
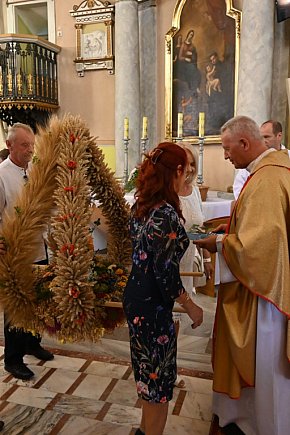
{"points": [[12, 181], [241, 177]]}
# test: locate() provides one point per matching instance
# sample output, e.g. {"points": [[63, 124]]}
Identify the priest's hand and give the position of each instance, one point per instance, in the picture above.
{"points": [[221, 228], [208, 243]]}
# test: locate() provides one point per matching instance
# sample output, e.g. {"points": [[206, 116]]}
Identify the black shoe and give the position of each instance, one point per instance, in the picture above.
{"points": [[41, 353], [231, 429], [19, 370], [139, 432], [1, 425]]}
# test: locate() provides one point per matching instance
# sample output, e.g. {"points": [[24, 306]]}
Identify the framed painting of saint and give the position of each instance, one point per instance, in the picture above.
{"points": [[94, 21], [202, 55]]}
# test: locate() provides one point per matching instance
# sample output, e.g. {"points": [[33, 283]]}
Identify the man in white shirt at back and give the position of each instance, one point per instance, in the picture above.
{"points": [[271, 131], [14, 172]]}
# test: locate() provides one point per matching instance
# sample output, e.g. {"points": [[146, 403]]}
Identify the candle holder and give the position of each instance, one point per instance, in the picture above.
{"points": [[200, 161], [144, 142], [126, 169], [179, 139], [202, 189]]}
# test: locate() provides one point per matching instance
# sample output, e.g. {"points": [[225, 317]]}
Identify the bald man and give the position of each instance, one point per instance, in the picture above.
{"points": [[271, 131]]}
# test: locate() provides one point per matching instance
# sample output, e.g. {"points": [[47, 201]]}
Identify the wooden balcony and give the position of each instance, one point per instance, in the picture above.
{"points": [[28, 79]]}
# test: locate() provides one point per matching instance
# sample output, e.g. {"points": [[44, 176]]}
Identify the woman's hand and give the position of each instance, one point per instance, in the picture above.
{"points": [[193, 310], [196, 315], [208, 270]]}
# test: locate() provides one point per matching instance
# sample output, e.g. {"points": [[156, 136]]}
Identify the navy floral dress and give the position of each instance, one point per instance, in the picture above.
{"points": [[153, 285]]}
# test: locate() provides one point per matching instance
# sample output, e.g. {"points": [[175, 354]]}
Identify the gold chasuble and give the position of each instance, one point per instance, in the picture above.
{"points": [[256, 250]]}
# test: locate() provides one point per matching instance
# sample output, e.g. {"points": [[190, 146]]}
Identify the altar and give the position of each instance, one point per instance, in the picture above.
{"points": [[213, 207]]}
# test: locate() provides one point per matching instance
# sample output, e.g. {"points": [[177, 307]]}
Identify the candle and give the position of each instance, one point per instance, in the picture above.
{"points": [[201, 124], [180, 125], [144, 127], [126, 128]]}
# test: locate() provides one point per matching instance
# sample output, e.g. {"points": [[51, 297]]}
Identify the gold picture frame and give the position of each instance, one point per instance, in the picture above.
{"points": [[201, 76], [94, 21]]}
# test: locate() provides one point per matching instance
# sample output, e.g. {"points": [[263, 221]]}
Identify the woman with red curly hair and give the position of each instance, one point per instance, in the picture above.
{"points": [[159, 242]]}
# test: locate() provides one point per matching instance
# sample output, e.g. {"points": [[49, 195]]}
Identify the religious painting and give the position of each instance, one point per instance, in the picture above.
{"points": [[202, 50], [94, 41], [94, 22]]}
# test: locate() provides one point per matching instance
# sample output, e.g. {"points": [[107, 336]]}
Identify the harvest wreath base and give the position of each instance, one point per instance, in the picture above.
{"points": [[67, 297]]}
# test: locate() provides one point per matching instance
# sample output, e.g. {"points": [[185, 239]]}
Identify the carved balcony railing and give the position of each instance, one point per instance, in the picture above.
{"points": [[28, 79]]}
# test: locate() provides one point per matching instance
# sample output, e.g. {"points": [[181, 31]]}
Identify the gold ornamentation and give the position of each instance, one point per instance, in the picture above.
{"points": [[19, 83]]}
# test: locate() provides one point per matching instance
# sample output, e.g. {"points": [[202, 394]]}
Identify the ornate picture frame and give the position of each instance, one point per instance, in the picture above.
{"points": [[94, 21], [201, 67]]}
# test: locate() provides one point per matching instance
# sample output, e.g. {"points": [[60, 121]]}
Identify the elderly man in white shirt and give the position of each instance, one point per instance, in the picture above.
{"points": [[14, 173], [271, 131]]}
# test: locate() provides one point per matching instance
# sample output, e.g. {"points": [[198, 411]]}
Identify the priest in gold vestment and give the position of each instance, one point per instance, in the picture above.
{"points": [[251, 352]]}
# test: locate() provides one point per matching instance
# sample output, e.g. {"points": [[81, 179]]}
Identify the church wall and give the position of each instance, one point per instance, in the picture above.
{"points": [[92, 96]]}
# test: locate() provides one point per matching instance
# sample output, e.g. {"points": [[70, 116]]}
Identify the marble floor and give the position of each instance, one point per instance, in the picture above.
{"points": [[89, 388]]}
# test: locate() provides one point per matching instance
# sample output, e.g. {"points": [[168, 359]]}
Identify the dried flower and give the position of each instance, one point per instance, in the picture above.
{"points": [[74, 292], [68, 247], [72, 138], [71, 164]]}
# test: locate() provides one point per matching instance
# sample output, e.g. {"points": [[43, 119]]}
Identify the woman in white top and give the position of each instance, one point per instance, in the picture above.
{"points": [[191, 206]]}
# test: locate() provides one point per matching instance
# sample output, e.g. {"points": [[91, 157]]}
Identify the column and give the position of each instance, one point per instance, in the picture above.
{"points": [[280, 72], [148, 67], [127, 82], [256, 60]]}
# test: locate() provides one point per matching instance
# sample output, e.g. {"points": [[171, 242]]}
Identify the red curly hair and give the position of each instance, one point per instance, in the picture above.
{"points": [[155, 181]]}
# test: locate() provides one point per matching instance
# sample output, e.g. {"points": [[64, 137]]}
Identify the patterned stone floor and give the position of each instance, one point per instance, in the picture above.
{"points": [[89, 388]]}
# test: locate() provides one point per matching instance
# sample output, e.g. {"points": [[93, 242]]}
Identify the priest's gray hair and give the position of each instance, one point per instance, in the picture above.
{"points": [[243, 126]]}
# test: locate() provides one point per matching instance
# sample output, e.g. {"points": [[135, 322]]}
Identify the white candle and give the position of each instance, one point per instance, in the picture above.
{"points": [[126, 128], [180, 125], [145, 128], [201, 124]]}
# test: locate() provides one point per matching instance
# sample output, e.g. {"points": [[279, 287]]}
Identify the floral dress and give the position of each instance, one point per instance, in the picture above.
{"points": [[153, 285]]}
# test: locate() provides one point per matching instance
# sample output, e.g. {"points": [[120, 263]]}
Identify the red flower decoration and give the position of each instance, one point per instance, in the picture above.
{"points": [[68, 247], [74, 292], [71, 164], [69, 189], [172, 236], [64, 217], [81, 319], [72, 138]]}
